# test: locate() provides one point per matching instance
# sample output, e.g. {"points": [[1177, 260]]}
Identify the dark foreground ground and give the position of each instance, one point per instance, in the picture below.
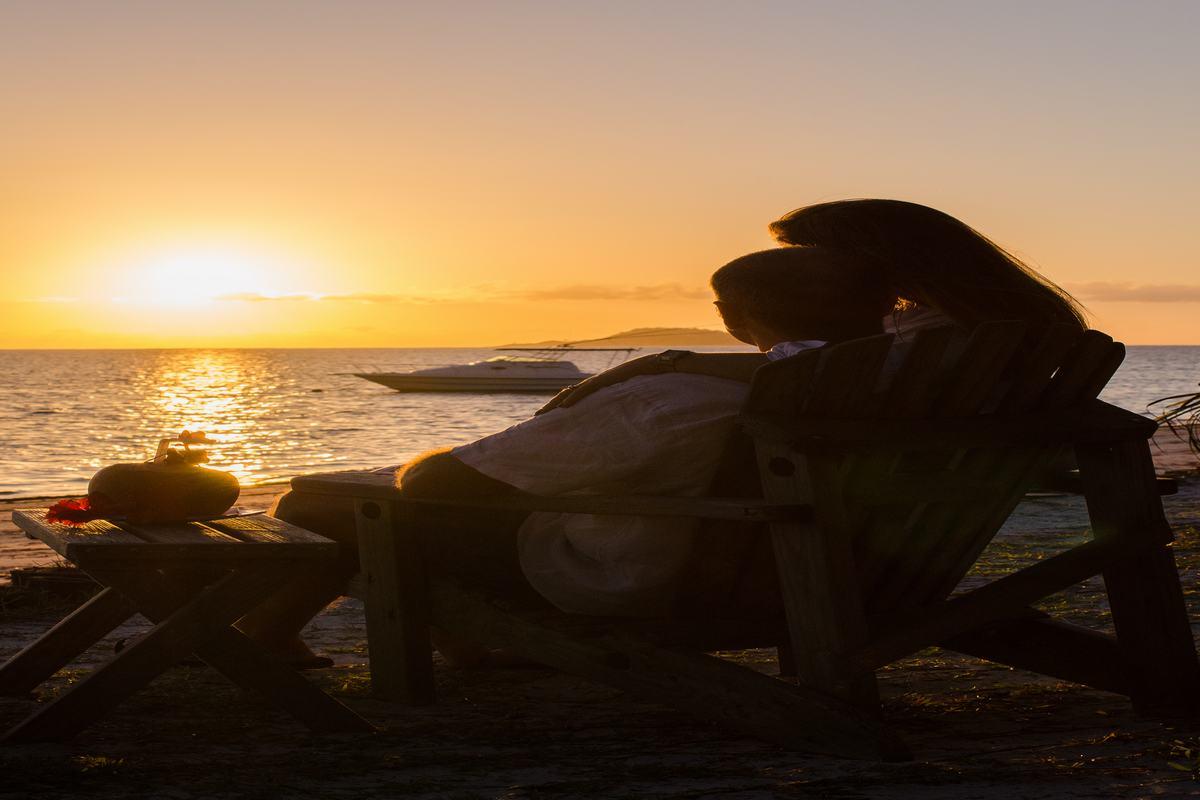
{"points": [[978, 731]]}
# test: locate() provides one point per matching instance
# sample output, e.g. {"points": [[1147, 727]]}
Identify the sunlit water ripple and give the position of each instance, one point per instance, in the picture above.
{"points": [[64, 414]]}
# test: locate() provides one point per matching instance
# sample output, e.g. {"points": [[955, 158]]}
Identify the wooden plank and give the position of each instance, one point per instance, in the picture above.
{"points": [[979, 369], [846, 377], [814, 561], [61, 644], [960, 530], [1144, 593], [907, 632], [245, 663], [1093, 361], [1088, 362], [915, 380], [62, 538], [1037, 367], [968, 386], [177, 533], [880, 533], [391, 555], [734, 509], [264, 529], [709, 688], [374, 485], [1075, 389], [782, 387], [1071, 483], [101, 542], [897, 490], [214, 608], [1084, 422], [1050, 647]]}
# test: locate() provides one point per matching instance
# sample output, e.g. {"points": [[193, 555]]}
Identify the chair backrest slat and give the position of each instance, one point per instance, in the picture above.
{"points": [[965, 389], [958, 532], [909, 552], [1086, 368]]}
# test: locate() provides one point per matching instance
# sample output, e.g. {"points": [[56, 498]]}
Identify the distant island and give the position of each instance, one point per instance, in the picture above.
{"points": [[645, 337]]}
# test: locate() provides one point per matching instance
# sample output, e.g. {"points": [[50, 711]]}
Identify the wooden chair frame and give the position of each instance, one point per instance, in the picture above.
{"points": [[828, 636]]}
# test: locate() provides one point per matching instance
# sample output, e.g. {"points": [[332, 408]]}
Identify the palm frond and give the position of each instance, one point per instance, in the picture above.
{"points": [[1180, 411]]}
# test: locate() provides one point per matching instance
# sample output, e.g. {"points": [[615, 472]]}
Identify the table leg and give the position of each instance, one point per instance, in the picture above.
{"points": [[246, 664], [61, 644], [209, 612]]}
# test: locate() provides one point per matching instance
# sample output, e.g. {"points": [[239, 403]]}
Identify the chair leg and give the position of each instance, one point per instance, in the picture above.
{"points": [[817, 578], [396, 606], [1144, 592], [786, 657], [709, 688]]}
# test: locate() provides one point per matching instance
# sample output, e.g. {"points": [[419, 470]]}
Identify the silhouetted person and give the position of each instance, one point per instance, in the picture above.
{"points": [[655, 434]]}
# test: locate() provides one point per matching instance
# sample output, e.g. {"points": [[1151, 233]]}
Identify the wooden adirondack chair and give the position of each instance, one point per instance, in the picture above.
{"points": [[885, 468]]}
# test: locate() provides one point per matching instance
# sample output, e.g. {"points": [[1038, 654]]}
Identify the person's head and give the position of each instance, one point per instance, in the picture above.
{"points": [[798, 293], [931, 259]]}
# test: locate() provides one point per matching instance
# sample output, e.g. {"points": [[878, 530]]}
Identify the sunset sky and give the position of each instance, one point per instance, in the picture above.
{"points": [[412, 174]]}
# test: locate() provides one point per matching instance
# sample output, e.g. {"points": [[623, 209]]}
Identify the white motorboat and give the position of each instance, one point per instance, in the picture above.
{"points": [[545, 373]]}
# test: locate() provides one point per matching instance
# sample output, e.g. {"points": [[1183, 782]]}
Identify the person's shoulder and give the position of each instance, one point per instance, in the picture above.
{"points": [[674, 391], [675, 382]]}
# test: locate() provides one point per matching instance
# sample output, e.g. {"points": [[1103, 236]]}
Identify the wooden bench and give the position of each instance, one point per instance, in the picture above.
{"points": [[193, 580]]}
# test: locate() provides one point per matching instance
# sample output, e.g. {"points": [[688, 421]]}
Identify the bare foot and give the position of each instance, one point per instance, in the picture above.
{"points": [[293, 651], [461, 654], [457, 653]]}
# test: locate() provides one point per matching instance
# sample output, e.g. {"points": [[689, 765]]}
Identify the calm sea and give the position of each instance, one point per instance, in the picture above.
{"points": [[66, 413]]}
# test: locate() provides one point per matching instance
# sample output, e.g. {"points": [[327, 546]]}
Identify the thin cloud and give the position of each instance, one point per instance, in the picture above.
{"points": [[654, 292], [660, 291], [1125, 292], [254, 297], [357, 297]]}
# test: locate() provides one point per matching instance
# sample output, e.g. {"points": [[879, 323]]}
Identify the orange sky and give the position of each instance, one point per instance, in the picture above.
{"points": [[369, 174]]}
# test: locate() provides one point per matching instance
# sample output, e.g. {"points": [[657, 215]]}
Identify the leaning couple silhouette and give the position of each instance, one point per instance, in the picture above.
{"points": [[660, 425]]}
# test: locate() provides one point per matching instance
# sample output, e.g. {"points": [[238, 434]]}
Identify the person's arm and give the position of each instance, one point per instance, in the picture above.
{"points": [[731, 366], [438, 474]]}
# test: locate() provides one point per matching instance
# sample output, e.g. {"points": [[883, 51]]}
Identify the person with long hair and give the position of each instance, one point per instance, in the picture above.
{"points": [[655, 435], [932, 262], [931, 268]]}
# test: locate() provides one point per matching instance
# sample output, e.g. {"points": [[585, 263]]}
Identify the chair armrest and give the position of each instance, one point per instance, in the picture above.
{"points": [[374, 486]]}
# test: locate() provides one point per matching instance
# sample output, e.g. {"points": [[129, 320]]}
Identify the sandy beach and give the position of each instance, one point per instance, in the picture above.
{"points": [[978, 730]]}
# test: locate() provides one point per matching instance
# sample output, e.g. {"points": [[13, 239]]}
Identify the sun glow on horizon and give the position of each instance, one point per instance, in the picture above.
{"points": [[196, 275], [374, 174]]}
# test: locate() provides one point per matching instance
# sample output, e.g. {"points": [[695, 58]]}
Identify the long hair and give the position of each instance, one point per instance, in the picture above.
{"points": [[932, 260]]}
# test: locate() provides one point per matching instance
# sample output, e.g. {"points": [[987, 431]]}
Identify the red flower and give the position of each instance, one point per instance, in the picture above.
{"points": [[72, 512]]}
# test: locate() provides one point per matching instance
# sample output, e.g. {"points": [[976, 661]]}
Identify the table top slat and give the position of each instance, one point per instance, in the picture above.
{"points": [[186, 533], [61, 538], [259, 528], [101, 542]]}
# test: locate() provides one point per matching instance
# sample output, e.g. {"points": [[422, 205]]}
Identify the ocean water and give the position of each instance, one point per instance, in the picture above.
{"points": [[66, 413]]}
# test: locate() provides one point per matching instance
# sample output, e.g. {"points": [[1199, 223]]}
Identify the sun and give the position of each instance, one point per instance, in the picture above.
{"points": [[201, 274]]}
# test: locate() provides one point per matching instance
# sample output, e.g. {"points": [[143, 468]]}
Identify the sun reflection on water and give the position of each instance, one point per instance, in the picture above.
{"points": [[214, 391], [277, 413]]}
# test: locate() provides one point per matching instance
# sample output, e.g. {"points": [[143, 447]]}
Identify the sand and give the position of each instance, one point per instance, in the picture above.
{"points": [[978, 730]]}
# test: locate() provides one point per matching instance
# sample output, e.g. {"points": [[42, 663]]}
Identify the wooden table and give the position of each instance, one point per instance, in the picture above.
{"points": [[193, 581]]}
